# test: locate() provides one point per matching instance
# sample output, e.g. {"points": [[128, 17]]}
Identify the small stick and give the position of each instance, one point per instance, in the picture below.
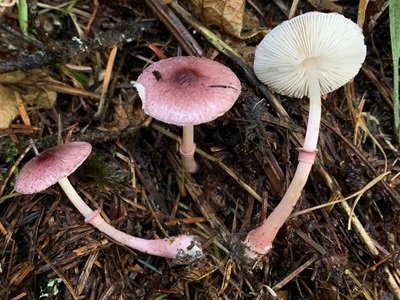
{"points": [[175, 26], [295, 273]]}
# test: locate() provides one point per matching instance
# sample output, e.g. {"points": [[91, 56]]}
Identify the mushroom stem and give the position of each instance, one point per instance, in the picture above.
{"points": [[76, 200], [259, 240], [180, 247], [183, 246], [187, 149], [314, 117]]}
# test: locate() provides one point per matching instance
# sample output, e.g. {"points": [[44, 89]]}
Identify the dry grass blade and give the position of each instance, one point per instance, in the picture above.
{"points": [[393, 193], [22, 110], [106, 82], [358, 227], [360, 193], [360, 286], [360, 123]]}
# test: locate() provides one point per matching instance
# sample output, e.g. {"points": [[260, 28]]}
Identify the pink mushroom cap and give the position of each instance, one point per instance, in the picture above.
{"points": [[187, 90], [50, 166]]}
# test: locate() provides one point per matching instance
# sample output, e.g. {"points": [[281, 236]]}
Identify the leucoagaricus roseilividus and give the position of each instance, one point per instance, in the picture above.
{"points": [[310, 55], [187, 91], [55, 164]]}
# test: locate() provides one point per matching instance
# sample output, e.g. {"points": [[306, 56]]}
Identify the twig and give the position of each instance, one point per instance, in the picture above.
{"points": [[67, 51], [175, 26], [295, 273]]}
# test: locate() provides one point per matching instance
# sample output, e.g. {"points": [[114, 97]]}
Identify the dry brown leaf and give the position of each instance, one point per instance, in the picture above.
{"points": [[230, 16], [37, 97], [326, 5], [12, 77], [227, 14], [8, 107]]}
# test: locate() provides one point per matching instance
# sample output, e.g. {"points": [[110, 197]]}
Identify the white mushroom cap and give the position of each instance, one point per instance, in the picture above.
{"points": [[50, 166], [333, 42], [187, 90]]}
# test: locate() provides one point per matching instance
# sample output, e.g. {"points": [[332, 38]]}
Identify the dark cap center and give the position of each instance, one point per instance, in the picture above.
{"points": [[186, 77]]}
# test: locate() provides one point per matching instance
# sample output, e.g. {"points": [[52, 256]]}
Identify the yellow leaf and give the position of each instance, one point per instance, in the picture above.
{"points": [[227, 14], [31, 93], [8, 107]]}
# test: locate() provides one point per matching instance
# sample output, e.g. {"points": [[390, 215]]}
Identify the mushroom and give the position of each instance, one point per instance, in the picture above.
{"points": [[55, 164], [187, 91], [310, 55]]}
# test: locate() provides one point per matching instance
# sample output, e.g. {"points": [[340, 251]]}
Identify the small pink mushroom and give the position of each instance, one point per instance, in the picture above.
{"points": [[55, 164], [187, 91]]}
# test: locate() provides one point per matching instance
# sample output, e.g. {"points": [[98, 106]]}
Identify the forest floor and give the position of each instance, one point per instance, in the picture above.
{"points": [[78, 54]]}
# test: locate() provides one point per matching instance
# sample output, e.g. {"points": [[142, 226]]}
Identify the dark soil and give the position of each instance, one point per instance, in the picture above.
{"points": [[135, 176]]}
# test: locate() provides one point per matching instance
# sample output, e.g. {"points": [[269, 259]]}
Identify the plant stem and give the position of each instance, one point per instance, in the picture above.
{"points": [[394, 15], [23, 16], [259, 241], [187, 149], [396, 118]]}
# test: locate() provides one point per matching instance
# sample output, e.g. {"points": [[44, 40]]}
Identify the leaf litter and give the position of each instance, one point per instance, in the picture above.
{"points": [[247, 156]]}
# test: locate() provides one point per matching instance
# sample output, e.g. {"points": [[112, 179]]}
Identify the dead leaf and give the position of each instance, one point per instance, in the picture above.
{"points": [[126, 115], [39, 98], [227, 14], [31, 93], [12, 77], [230, 16], [326, 5], [8, 107]]}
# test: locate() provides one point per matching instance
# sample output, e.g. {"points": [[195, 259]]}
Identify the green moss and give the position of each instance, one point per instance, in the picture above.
{"points": [[104, 172], [8, 151], [8, 155]]}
